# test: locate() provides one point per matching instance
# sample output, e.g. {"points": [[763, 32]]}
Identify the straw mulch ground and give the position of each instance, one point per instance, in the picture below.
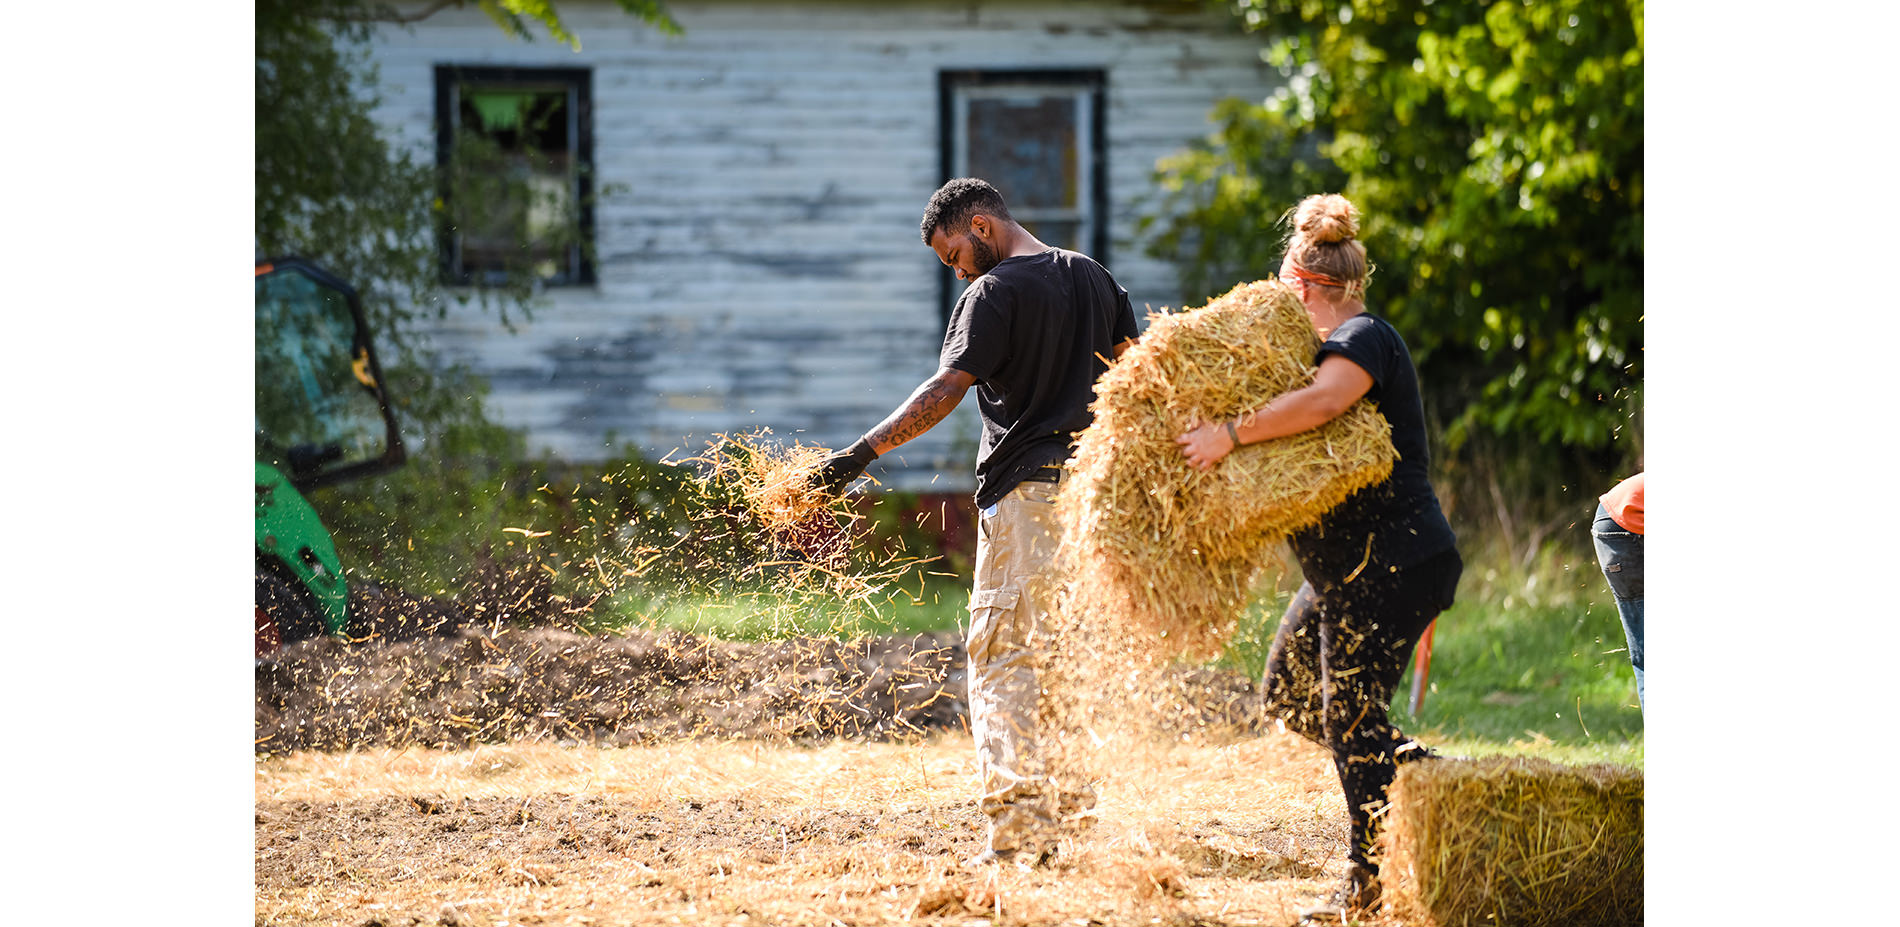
{"points": [[477, 686], [1516, 841], [1162, 552], [751, 833]]}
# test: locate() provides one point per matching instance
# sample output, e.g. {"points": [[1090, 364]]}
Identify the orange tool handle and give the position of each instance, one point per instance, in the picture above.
{"points": [[1422, 667]]}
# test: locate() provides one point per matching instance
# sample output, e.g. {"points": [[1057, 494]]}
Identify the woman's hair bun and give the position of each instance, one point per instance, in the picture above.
{"points": [[1325, 218]]}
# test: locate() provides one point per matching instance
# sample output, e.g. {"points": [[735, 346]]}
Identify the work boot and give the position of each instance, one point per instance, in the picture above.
{"points": [[988, 858], [1021, 829], [1076, 808], [1359, 893], [1024, 858], [1030, 851], [1356, 896], [1412, 751]]}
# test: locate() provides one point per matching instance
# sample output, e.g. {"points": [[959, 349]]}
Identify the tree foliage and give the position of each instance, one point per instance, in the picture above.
{"points": [[1495, 148], [331, 187]]}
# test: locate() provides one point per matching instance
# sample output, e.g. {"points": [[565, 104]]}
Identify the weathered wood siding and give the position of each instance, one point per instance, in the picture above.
{"points": [[761, 265]]}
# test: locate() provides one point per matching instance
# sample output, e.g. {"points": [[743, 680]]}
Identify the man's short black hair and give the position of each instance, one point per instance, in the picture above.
{"points": [[951, 207]]}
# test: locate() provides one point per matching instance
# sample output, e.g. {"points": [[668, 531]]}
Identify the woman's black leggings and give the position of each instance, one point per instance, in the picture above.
{"points": [[1335, 661]]}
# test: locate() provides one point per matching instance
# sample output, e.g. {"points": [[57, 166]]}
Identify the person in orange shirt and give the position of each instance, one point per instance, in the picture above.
{"points": [[1618, 534]]}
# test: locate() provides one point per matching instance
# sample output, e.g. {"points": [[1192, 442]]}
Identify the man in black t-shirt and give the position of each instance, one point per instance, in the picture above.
{"points": [[1032, 333]]}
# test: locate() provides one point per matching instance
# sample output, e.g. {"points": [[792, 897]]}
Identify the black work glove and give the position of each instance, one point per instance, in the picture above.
{"points": [[841, 468]]}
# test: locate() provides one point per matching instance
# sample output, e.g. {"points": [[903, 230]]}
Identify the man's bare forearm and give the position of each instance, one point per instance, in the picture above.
{"points": [[927, 406]]}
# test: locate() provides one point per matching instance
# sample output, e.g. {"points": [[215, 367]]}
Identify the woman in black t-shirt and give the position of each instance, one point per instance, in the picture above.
{"points": [[1377, 568]]}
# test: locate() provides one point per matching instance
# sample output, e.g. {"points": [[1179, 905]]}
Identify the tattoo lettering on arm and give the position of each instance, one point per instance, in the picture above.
{"points": [[927, 406], [914, 419]]}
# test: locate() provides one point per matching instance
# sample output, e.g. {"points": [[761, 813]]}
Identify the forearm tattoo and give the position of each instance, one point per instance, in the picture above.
{"points": [[926, 407]]}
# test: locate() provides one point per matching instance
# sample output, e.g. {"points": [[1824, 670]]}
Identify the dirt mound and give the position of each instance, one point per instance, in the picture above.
{"points": [[477, 685], [545, 683]]}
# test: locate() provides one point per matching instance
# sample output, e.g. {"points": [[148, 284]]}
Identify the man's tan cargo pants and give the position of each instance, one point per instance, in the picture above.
{"points": [[1015, 547]]}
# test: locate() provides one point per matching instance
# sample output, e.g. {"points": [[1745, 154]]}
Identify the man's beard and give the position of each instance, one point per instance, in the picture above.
{"points": [[982, 255]]}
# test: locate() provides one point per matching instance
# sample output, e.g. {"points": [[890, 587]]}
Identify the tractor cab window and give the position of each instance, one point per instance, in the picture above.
{"points": [[317, 405]]}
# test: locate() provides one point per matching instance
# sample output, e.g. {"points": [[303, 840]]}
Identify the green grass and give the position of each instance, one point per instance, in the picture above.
{"points": [[1524, 663], [1549, 674], [939, 605], [1534, 659]]}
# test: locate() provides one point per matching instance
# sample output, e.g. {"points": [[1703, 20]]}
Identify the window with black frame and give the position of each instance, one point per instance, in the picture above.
{"points": [[515, 149], [1039, 137]]}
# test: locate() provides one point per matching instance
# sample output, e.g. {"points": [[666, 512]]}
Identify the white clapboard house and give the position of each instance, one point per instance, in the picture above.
{"points": [[755, 187]]}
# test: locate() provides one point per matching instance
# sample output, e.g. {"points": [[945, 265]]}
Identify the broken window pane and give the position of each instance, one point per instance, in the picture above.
{"points": [[516, 175]]}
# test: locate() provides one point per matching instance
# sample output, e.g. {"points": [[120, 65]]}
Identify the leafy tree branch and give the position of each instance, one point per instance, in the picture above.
{"points": [[1496, 149]]}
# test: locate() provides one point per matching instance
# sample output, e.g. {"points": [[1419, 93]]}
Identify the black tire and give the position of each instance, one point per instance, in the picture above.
{"points": [[286, 612]]}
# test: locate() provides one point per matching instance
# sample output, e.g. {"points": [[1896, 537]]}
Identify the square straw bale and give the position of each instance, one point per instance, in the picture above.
{"points": [[1515, 841], [1168, 553]]}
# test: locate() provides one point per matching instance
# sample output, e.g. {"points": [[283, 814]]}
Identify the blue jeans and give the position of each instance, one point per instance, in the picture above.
{"points": [[1620, 553]]}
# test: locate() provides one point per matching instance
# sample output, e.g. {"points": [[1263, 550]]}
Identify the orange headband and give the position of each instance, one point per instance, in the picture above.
{"points": [[1316, 278]]}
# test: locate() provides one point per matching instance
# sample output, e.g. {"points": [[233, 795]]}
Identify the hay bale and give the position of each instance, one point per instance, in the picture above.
{"points": [[1170, 553], [1515, 841]]}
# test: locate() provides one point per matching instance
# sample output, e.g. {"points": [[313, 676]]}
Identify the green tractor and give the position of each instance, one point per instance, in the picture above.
{"points": [[323, 417]]}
